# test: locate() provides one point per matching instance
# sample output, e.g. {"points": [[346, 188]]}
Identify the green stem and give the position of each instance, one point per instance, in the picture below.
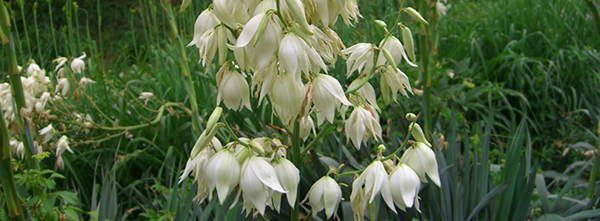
{"points": [[6, 175], [184, 68], [19, 97], [297, 160]]}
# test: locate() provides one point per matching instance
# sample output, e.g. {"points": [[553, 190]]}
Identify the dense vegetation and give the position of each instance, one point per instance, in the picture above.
{"points": [[512, 105]]}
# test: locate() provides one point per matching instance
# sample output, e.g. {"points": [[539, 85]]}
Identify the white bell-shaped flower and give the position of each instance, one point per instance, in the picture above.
{"points": [[289, 177], [286, 97], [365, 90], [325, 194], [350, 12], [421, 159], [404, 186], [293, 11], [223, 173], [394, 81], [233, 89], [62, 145], [371, 182], [326, 42], [260, 38], [307, 125], [258, 182], [78, 65], [205, 22], [231, 12], [396, 51], [63, 86], [359, 58], [327, 96], [361, 125], [297, 57]]}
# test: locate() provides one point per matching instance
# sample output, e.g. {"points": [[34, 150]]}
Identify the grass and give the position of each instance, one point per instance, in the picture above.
{"points": [[524, 98]]}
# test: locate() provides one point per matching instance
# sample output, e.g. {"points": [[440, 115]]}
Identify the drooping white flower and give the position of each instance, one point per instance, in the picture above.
{"points": [[62, 145], [211, 42], [63, 86], [18, 148], [350, 12], [33, 68], [327, 96], [404, 186], [84, 81], [361, 125], [371, 182], [40, 104], [422, 160], [47, 132], [78, 65], [326, 42], [263, 79], [325, 194], [293, 10], [233, 90], [201, 159], [258, 182], [204, 22], [441, 8], [396, 51], [392, 82], [289, 177], [231, 12], [260, 38], [145, 96], [360, 58], [366, 90], [306, 126], [286, 97], [223, 173], [297, 57]]}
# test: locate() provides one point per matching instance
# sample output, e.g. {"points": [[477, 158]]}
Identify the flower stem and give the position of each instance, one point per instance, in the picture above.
{"points": [[297, 160], [185, 69]]}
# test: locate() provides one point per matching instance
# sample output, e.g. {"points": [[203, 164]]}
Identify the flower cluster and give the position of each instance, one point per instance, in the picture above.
{"points": [[38, 91], [256, 167], [281, 53]]}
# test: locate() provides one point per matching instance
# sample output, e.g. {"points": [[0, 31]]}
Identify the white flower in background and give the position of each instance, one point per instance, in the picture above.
{"points": [[286, 97], [40, 103], [394, 81], [62, 145], [297, 57], [47, 132], [258, 182], [361, 125], [63, 86], [223, 173], [404, 186], [396, 50], [289, 177], [325, 194], [18, 148], [328, 96], [145, 96], [422, 160], [84, 81], [205, 22], [441, 8], [372, 181], [359, 58], [33, 68], [78, 65], [233, 90]]}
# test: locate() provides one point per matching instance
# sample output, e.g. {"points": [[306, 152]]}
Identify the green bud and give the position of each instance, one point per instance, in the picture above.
{"points": [[381, 24], [417, 132], [411, 117], [409, 45], [414, 14], [214, 118]]}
